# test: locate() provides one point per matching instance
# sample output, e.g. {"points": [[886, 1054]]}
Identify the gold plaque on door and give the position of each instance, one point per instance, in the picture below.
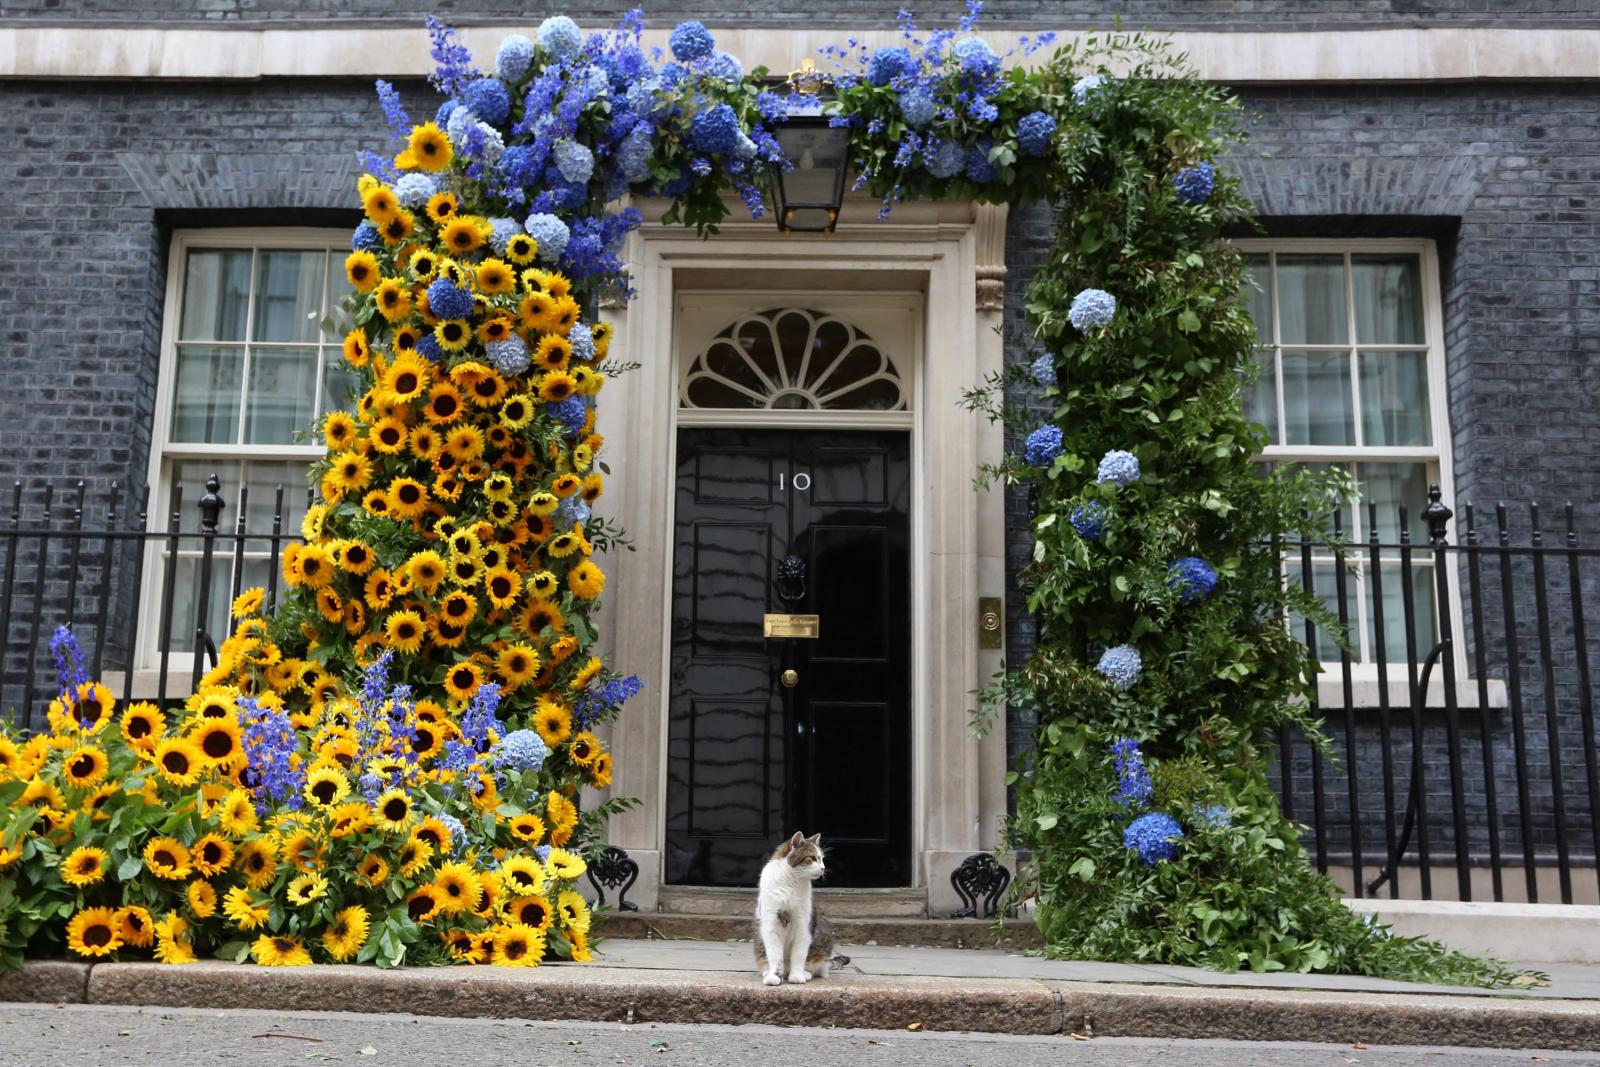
{"points": [[808, 626]]}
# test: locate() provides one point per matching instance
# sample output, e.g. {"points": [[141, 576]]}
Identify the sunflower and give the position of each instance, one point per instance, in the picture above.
{"points": [[601, 332], [407, 378], [495, 276], [427, 148], [566, 866], [135, 926], [361, 267], [563, 545], [537, 313], [378, 201], [446, 634], [93, 932], [428, 738], [84, 767], [517, 663], [94, 803], [326, 786], [237, 813], [258, 861], [166, 858], [302, 850], [463, 233], [584, 749], [521, 249], [393, 299], [539, 615], [586, 580], [444, 405], [426, 570], [306, 889], [179, 761], [563, 813], [172, 940], [527, 827], [463, 680], [392, 811], [347, 933], [488, 391], [542, 584], [442, 207], [350, 818], [516, 945], [372, 871], [219, 740], [587, 674], [523, 876], [459, 889], [423, 905], [388, 436], [434, 833], [280, 950], [211, 855], [600, 773], [589, 382], [463, 543], [465, 946], [83, 866], [310, 567], [459, 607], [405, 631], [534, 911], [91, 707], [356, 349], [593, 486], [240, 906], [517, 411], [202, 897], [565, 485], [452, 334]]}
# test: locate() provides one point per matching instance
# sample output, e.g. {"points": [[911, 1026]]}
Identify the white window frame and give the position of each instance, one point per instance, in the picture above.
{"points": [[1437, 456], [164, 451]]}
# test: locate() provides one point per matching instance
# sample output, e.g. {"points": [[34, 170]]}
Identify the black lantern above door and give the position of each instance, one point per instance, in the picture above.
{"points": [[810, 193]]}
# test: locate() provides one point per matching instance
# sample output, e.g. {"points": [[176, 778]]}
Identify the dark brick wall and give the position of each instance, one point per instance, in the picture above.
{"points": [[1056, 14], [1505, 180]]}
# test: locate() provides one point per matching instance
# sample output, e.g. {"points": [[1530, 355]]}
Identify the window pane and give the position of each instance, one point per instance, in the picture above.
{"points": [[283, 387], [1258, 270], [1394, 398], [1394, 611], [1317, 406], [216, 295], [1261, 399], [205, 394], [1389, 486], [341, 385], [1311, 303], [288, 295], [263, 478], [1388, 293], [1323, 587]]}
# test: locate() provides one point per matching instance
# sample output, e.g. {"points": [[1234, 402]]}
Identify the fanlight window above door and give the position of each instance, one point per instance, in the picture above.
{"points": [[793, 359]]}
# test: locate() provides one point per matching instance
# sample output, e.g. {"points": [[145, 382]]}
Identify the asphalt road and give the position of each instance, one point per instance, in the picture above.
{"points": [[88, 1036]]}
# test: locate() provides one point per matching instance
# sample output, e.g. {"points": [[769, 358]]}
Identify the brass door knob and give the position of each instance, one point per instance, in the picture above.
{"points": [[790, 678]]}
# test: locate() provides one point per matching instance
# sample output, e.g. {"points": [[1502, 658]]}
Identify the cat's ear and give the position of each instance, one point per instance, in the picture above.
{"points": [[797, 840], [815, 839]]}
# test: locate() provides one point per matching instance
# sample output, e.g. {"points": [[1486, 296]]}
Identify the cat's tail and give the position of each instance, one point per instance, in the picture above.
{"points": [[840, 961]]}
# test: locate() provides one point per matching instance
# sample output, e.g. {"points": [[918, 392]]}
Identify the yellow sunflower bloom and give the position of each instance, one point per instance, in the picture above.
{"points": [[428, 147], [408, 499], [462, 681], [463, 233], [407, 378], [202, 897], [179, 762], [243, 909], [586, 580], [356, 351], [392, 811], [405, 631], [600, 772], [93, 932], [280, 950], [361, 267], [442, 207], [172, 940], [426, 570], [326, 786], [527, 827], [459, 888], [424, 904], [237, 814], [517, 411], [538, 616], [534, 911], [574, 910], [444, 405], [495, 276], [566, 866], [452, 334], [84, 866], [84, 766], [372, 871], [516, 945], [587, 674], [584, 749], [346, 933], [220, 741], [517, 663], [522, 876], [135, 926], [166, 858], [521, 249], [211, 855], [306, 889], [379, 203]]}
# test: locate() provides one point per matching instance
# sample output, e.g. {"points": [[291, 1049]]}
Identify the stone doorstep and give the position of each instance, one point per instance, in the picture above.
{"points": [[992, 1005], [1547, 933], [925, 933]]}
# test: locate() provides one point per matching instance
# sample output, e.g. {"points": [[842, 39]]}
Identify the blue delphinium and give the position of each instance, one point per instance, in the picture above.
{"points": [[445, 301], [513, 58], [1034, 133], [414, 189], [270, 745], [366, 238], [1091, 308], [551, 233], [1118, 468], [1192, 578], [976, 57], [522, 750], [1043, 446], [1152, 837], [510, 356], [1134, 785], [574, 161], [70, 669], [917, 108], [1213, 816], [561, 37], [889, 63], [569, 414], [690, 41], [1091, 519], [597, 701], [1043, 371], [1084, 86], [1195, 184], [488, 98], [715, 129], [1121, 666]]}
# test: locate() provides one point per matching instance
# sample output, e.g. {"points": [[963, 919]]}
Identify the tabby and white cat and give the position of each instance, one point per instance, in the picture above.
{"points": [[792, 938]]}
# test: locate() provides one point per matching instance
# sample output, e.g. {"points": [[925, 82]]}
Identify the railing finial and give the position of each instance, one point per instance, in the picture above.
{"points": [[211, 504], [1436, 515]]}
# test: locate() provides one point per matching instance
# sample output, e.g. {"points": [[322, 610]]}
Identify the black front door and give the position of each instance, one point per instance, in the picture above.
{"points": [[790, 522]]}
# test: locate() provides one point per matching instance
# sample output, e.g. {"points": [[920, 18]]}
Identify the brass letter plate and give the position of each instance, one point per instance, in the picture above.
{"points": [[809, 626]]}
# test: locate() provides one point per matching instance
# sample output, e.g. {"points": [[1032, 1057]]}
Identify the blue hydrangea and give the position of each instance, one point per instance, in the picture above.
{"points": [[917, 108], [522, 750], [1034, 133], [1091, 519], [560, 36], [458, 833], [976, 57], [430, 348], [725, 66], [1134, 785], [1192, 577], [572, 511], [574, 161], [510, 356], [1214, 816], [501, 231], [441, 118], [513, 58], [715, 129], [414, 189], [366, 237], [633, 155], [483, 142], [642, 98], [745, 148], [1152, 836], [1043, 446], [1118, 468], [488, 98], [1084, 86], [448, 302], [1195, 184], [690, 41], [1043, 371], [551, 233], [947, 160], [581, 338], [888, 64], [460, 121], [1121, 666], [1091, 308], [569, 414], [979, 169]]}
